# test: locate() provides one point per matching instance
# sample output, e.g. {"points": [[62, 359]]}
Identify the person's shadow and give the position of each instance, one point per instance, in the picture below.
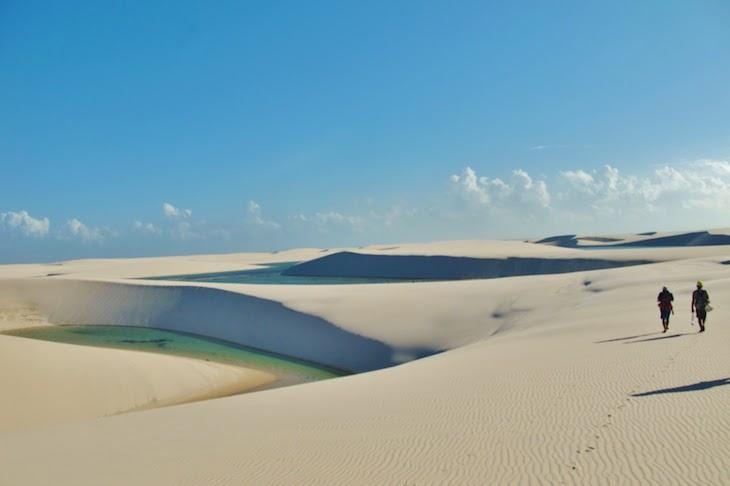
{"points": [[634, 339], [626, 338], [701, 385], [661, 337]]}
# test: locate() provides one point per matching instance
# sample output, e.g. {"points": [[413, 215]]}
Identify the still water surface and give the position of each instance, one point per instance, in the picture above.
{"points": [[289, 370]]}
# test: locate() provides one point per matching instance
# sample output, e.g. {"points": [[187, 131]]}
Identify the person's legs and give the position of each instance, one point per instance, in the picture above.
{"points": [[701, 316]]}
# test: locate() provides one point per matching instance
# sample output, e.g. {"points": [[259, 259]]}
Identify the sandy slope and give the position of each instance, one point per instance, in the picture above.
{"points": [[550, 379], [159, 266], [49, 383], [18, 316]]}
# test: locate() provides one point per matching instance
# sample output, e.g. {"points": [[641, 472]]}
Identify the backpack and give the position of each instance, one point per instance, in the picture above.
{"points": [[665, 299], [666, 296]]}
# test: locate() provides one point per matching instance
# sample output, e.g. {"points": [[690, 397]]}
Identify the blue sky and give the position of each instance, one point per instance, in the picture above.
{"points": [[284, 124]]}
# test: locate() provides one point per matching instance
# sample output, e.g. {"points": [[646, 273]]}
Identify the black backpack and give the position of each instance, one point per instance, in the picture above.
{"points": [[665, 296]]}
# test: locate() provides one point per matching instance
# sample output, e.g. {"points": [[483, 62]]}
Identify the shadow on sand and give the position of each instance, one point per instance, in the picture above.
{"points": [[662, 337], [627, 338], [697, 238], [701, 385]]}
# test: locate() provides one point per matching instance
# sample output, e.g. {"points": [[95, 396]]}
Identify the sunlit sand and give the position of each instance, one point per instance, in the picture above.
{"points": [[531, 376]]}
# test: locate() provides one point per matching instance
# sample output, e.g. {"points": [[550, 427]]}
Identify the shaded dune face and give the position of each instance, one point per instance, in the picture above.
{"points": [[348, 264], [230, 316], [560, 240], [697, 238]]}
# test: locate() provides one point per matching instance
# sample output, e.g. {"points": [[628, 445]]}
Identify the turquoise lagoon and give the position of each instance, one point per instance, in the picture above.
{"points": [[290, 371]]}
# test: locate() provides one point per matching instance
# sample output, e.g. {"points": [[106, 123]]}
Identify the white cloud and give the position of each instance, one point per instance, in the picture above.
{"points": [[581, 179], [333, 217], [337, 223], [183, 230], [147, 228], [255, 217], [396, 215], [85, 233], [172, 212], [699, 184], [694, 194], [520, 192], [518, 204], [529, 191], [471, 187], [702, 184], [25, 223]]}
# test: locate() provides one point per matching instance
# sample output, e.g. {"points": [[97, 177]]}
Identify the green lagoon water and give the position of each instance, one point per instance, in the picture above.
{"points": [[289, 370]]}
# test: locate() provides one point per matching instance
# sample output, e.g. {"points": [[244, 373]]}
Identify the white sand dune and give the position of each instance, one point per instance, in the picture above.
{"points": [[544, 379], [49, 383]]}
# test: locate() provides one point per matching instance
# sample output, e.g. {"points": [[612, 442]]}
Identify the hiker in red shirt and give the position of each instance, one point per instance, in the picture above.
{"points": [[664, 300]]}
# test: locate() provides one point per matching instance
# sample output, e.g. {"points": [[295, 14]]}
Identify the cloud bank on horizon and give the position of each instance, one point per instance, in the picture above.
{"points": [[600, 200], [693, 191]]}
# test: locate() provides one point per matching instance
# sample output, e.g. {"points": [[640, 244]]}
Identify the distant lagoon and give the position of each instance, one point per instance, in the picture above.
{"points": [[272, 274], [374, 269]]}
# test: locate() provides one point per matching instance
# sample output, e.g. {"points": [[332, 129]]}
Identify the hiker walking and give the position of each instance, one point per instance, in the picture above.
{"points": [[664, 300], [700, 301]]}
